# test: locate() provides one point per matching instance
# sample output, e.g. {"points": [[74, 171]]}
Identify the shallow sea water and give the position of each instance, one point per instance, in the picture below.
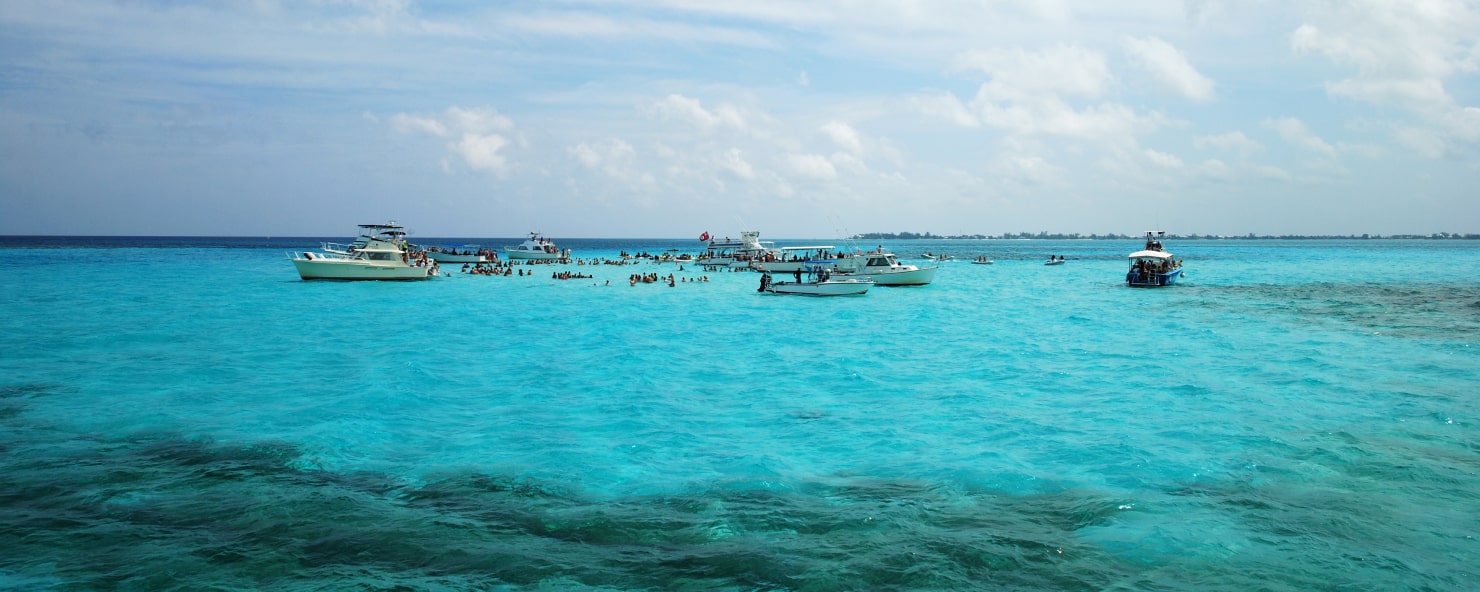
{"points": [[187, 414]]}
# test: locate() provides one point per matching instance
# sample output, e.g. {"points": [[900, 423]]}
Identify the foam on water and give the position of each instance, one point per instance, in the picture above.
{"points": [[1296, 416]]}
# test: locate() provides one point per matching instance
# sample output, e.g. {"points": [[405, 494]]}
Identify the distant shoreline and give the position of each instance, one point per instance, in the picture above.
{"points": [[1123, 237], [857, 237]]}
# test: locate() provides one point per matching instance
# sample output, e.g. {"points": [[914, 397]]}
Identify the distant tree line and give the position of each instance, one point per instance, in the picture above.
{"points": [[1113, 236]]}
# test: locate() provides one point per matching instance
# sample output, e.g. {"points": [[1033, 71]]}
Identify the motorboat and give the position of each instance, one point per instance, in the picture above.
{"points": [[673, 256], [536, 248], [817, 280], [1055, 260], [460, 254], [885, 270], [379, 253], [1153, 266], [981, 260], [731, 253]]}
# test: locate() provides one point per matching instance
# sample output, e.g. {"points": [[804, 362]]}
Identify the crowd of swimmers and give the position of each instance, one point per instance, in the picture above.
{"points": [[512, 269], [670, 279]]}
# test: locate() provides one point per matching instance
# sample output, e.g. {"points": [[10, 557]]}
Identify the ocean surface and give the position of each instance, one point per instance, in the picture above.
{"points": [[187, 414]]}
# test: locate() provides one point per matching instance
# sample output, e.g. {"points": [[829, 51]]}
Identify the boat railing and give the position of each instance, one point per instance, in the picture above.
{"points": [[326, 254]]}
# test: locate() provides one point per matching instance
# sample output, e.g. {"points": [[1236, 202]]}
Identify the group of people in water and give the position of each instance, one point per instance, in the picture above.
{"points": [[670, 279], [492, 269]]}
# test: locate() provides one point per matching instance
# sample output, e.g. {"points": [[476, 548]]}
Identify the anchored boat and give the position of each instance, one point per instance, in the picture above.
{"points": [[817, 280], [379, 253], [1153, 266], [885, 270], [536, 248]]}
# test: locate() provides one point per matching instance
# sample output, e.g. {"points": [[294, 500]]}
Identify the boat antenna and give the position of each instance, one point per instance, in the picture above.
{"points": [[842, 231]]}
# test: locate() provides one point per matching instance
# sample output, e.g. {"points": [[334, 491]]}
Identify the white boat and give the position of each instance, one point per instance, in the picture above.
{"points": [[1054, 260], [729, 253], [885, 270], [1153, 266], [791, 259], [816, 281], [460, 254], [379, 253], [537, 248], [981, 260]]}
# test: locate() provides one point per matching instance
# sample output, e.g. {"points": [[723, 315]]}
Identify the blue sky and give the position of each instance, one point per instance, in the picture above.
{"points": [[667, 118]]}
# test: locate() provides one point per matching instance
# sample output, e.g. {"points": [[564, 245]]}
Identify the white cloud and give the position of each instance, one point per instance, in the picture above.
{"points": [[815, 166], [587, 25], [1294, 131], [1402, 51], [1270, 172], [1231, 141], [409, 124], [1029, 92], [482, 152], [1051, 116], [1423, 142], [844, 136], [1170, 67], [848, 162], [945, 106], [478, 121], [479, 147], [734, 161], [676, 107], [613, 157], [1018, 75], [1026, 168], [1163, 160], [595, 155], [803, 79], [1215, 169]]}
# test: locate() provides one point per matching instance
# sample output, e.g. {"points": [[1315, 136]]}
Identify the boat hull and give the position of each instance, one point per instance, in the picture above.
{"points": [[911, 277], [531, 256], [1153, 280], [826, 288], [329, 269], [450, 258]]}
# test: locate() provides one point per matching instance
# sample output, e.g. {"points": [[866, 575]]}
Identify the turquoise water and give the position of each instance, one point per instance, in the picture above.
{"points": [[187, 414]]}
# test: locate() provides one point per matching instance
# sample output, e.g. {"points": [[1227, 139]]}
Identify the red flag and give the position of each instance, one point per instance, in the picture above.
{"points": [[705, 236]]}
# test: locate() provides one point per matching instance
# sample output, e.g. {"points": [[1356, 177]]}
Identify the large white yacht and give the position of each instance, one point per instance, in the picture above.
{"points": [[727, 252], [379, 253], [885, 270], [537, 248]]}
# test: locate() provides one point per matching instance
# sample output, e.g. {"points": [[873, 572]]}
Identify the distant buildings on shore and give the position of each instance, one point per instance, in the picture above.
{"points": [[1112, 236]]}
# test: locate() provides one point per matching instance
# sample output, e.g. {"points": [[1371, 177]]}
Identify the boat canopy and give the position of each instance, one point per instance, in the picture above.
{"points": [[815, 248], [1150, 255]]}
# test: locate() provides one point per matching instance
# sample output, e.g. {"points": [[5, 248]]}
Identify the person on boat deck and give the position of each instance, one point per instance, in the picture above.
{"points": [[799, 275]]}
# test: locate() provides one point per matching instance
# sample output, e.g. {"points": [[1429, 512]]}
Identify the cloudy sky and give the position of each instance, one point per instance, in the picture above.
{"points": [[667, 118]]}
